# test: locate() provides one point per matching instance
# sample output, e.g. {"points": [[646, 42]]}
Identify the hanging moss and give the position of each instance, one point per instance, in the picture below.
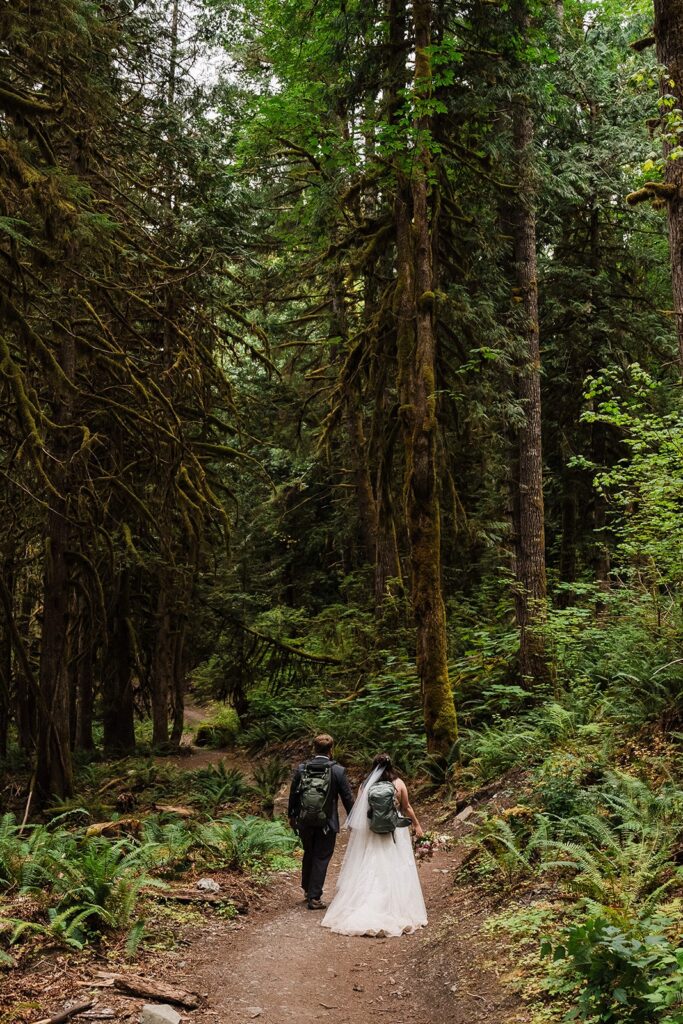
{"points": [[652, 190]]}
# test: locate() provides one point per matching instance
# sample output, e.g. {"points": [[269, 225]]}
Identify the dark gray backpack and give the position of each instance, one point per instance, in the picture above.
{"points": [[315, 786], [382, 812]]}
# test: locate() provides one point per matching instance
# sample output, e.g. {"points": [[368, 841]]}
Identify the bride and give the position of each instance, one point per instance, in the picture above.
{"points": [[378, 891]]}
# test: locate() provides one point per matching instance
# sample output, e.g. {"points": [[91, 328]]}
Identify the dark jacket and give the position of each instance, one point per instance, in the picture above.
{"points": [[340, 790]]}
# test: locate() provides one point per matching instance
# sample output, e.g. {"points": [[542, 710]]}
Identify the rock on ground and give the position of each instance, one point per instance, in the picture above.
{"points": [[159, 1013]]}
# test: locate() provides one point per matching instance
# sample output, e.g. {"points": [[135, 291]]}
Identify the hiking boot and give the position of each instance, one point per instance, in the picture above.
{"points": [[316, 905]]}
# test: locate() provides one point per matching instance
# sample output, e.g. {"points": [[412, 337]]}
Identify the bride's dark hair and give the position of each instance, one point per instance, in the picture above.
{"points": [[384, 760]]}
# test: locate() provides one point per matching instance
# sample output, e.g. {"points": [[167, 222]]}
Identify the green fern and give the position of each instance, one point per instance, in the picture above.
{"points": [[268, 778], [218, 785]]}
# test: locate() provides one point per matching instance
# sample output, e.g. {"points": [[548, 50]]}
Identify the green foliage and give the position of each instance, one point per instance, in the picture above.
{"points": [[26, 854], [97, 886], [383, 713], [166, 846], [631, 972], [240, 843], [220, 730], [510, 847], [269, 777], [645, 488], [620, 855], [92, 885], [216, 785]]}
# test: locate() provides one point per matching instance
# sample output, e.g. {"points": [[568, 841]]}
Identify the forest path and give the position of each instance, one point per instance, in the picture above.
{"points": [[277, 965], [280, 966]]}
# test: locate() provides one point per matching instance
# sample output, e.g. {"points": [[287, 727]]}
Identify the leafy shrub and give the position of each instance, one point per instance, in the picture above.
{"points": [[524, 741], [629, 971], [216, 785], [238, 842], [620, 854], [166, 846], [385, 713], [98, 885], [268, 778], [511, 847], [560, 781], [27, 854]]}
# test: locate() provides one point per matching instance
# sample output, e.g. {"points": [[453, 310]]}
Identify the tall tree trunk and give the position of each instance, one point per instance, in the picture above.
{"points": [[84, 683], [365, 499], [388, 574], [178, 694], [416, 332], [669, 37], [26, 683], [54, 774], [7, 569], [117, 686], [162, 666], [530, 590]]}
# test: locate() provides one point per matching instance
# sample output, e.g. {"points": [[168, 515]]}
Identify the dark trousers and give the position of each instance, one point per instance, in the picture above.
{"points": [[318, 844]]}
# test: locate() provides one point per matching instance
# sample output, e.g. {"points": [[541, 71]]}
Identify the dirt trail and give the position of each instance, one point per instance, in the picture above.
{"points": [[277, 965], [281, 966]]}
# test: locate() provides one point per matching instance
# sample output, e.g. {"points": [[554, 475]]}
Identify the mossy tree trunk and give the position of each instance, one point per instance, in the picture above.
{"points": [[162, 664], [26, 706], [388, 573], [416, 345], [117, 684], [669, 37], [530, 567], [7, 569], [54, 773], [180, 665], [83, 669]]}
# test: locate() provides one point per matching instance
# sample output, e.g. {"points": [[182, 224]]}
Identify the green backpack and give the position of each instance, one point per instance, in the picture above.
{"points": [[382, 812], [314, 794]]}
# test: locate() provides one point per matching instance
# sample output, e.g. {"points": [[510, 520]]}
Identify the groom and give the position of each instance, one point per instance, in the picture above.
{"points": [[313, 813]]}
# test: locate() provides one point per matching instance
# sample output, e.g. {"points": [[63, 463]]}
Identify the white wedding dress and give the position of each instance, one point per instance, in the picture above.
{"points": [[378, 891]]}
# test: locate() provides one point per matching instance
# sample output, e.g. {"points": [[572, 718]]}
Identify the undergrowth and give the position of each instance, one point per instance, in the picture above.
{"points": [[85, 886]]}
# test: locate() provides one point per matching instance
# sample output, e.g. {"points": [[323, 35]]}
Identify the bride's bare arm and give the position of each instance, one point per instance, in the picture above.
{"points": [[404, 805]]}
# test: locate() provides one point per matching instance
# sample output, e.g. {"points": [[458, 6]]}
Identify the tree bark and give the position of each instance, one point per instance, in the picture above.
{"points": [[416, 346], [530, 589], [669, 37], [162, 666], [84, 683], [388, 573], [117, 686], [179, 677], [7, 568], [365, 498], [54, 774], [25, 700]]}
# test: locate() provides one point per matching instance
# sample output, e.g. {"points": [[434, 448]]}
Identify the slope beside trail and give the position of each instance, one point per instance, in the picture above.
{"points": [[279, 966]]}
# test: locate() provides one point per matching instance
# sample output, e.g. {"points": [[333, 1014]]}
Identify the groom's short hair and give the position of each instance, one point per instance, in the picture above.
{"points": [[323, 743]]}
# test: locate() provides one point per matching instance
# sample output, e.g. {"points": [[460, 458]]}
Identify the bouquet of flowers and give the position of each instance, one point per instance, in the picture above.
{"points": [[425, 845]]}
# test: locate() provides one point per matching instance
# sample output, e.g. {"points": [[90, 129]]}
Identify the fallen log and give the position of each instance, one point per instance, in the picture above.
{"points": [[63, 1015], [135, 986]]}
